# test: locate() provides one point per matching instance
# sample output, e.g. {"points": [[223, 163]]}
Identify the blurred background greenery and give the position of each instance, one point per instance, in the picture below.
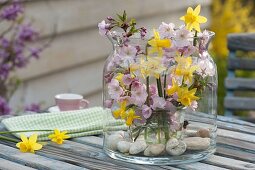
{"points": [[230, 16]]}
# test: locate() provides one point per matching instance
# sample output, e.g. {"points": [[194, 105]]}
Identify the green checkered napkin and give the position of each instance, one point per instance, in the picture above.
{"points": [[78, 123]]}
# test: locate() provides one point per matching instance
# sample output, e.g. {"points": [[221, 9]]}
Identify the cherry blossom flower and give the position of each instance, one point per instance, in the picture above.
{"points": [[115, 91], [158, 102], [146, 111], [103, 28], [166, 30], [182, 37], [139, 95]]}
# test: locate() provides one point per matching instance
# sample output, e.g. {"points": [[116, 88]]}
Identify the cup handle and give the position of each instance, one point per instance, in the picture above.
{"points": [[84, 103]]}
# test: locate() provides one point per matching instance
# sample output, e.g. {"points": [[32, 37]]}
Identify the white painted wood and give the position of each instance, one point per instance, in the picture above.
{"points": [[82, 80], [70, 15]]}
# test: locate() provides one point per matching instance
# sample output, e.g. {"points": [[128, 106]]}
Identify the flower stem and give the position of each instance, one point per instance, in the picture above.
{"points": [[165, 85], [8, 139], [160, 94], [148, 90], [195, 39]]}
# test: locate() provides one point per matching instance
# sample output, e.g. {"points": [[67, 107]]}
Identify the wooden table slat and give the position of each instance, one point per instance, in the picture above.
{"points": [[229, 163], [33, 160], [8, 165]]}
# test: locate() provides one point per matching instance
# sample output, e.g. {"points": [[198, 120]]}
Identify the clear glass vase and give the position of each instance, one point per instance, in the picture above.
{"points": [[147, 122]]}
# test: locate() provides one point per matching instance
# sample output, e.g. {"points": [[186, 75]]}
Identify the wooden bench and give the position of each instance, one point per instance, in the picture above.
{"points": [[235, 150], [239, 42]]}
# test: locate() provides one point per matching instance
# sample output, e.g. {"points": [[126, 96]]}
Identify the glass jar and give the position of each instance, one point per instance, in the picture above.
{"points": [[161, 109]]}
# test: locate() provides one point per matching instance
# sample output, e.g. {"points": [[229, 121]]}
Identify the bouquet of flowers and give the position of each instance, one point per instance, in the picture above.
{"points": [[150, 80]]}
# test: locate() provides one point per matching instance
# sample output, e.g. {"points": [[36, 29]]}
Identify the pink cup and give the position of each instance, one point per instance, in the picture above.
{"points": [[69, 101]]}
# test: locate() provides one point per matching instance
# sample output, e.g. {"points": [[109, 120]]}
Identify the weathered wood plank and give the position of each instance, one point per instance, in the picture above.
{"points": [[241, 41], [8, 165], [241, 64], [235, 121], [240, 84], [239, 103], [237, 144], [199, 166], [229, 163], [222, 125], [235, 154], [33, 160]]}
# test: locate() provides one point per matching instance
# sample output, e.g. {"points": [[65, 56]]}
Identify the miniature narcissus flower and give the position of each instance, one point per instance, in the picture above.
{"points": [[58, 137], [151, 67], [131, 116], [186, 96], [192, 18], [29, 144], [121, 112], [158, 44]]}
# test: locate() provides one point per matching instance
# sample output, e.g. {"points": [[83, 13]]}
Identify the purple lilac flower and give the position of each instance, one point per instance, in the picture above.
{"points": [[4, 42], [34, 107], [158, 102], [20, 61], [103, 28], [34, 52], [12, 11], [4, 54], [115, 91], [139, 95], [166, 30], [4, 107], [27, 33], [146, 111], [4, 71]]}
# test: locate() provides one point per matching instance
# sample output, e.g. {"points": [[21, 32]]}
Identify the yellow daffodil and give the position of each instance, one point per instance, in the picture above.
{"points": [[157, 44], [151, 67], [121, 112], [192, 18], [185, 96], [185, 69], [119, 78], [29, 145], [133, 68], [58, 137], [173, 89], [131, 117]]}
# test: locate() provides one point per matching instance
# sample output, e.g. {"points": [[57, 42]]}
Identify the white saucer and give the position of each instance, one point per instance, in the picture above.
{"points": [[56, 109]]}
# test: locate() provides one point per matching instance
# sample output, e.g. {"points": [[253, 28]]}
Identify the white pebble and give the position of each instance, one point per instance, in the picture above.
{"points": [[197, 143], [123, 146], [112, 141], [154, 150], [137, 147]]}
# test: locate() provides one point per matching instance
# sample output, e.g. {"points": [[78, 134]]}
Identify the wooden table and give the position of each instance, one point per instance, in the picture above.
{"points": [[235, 150]]}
